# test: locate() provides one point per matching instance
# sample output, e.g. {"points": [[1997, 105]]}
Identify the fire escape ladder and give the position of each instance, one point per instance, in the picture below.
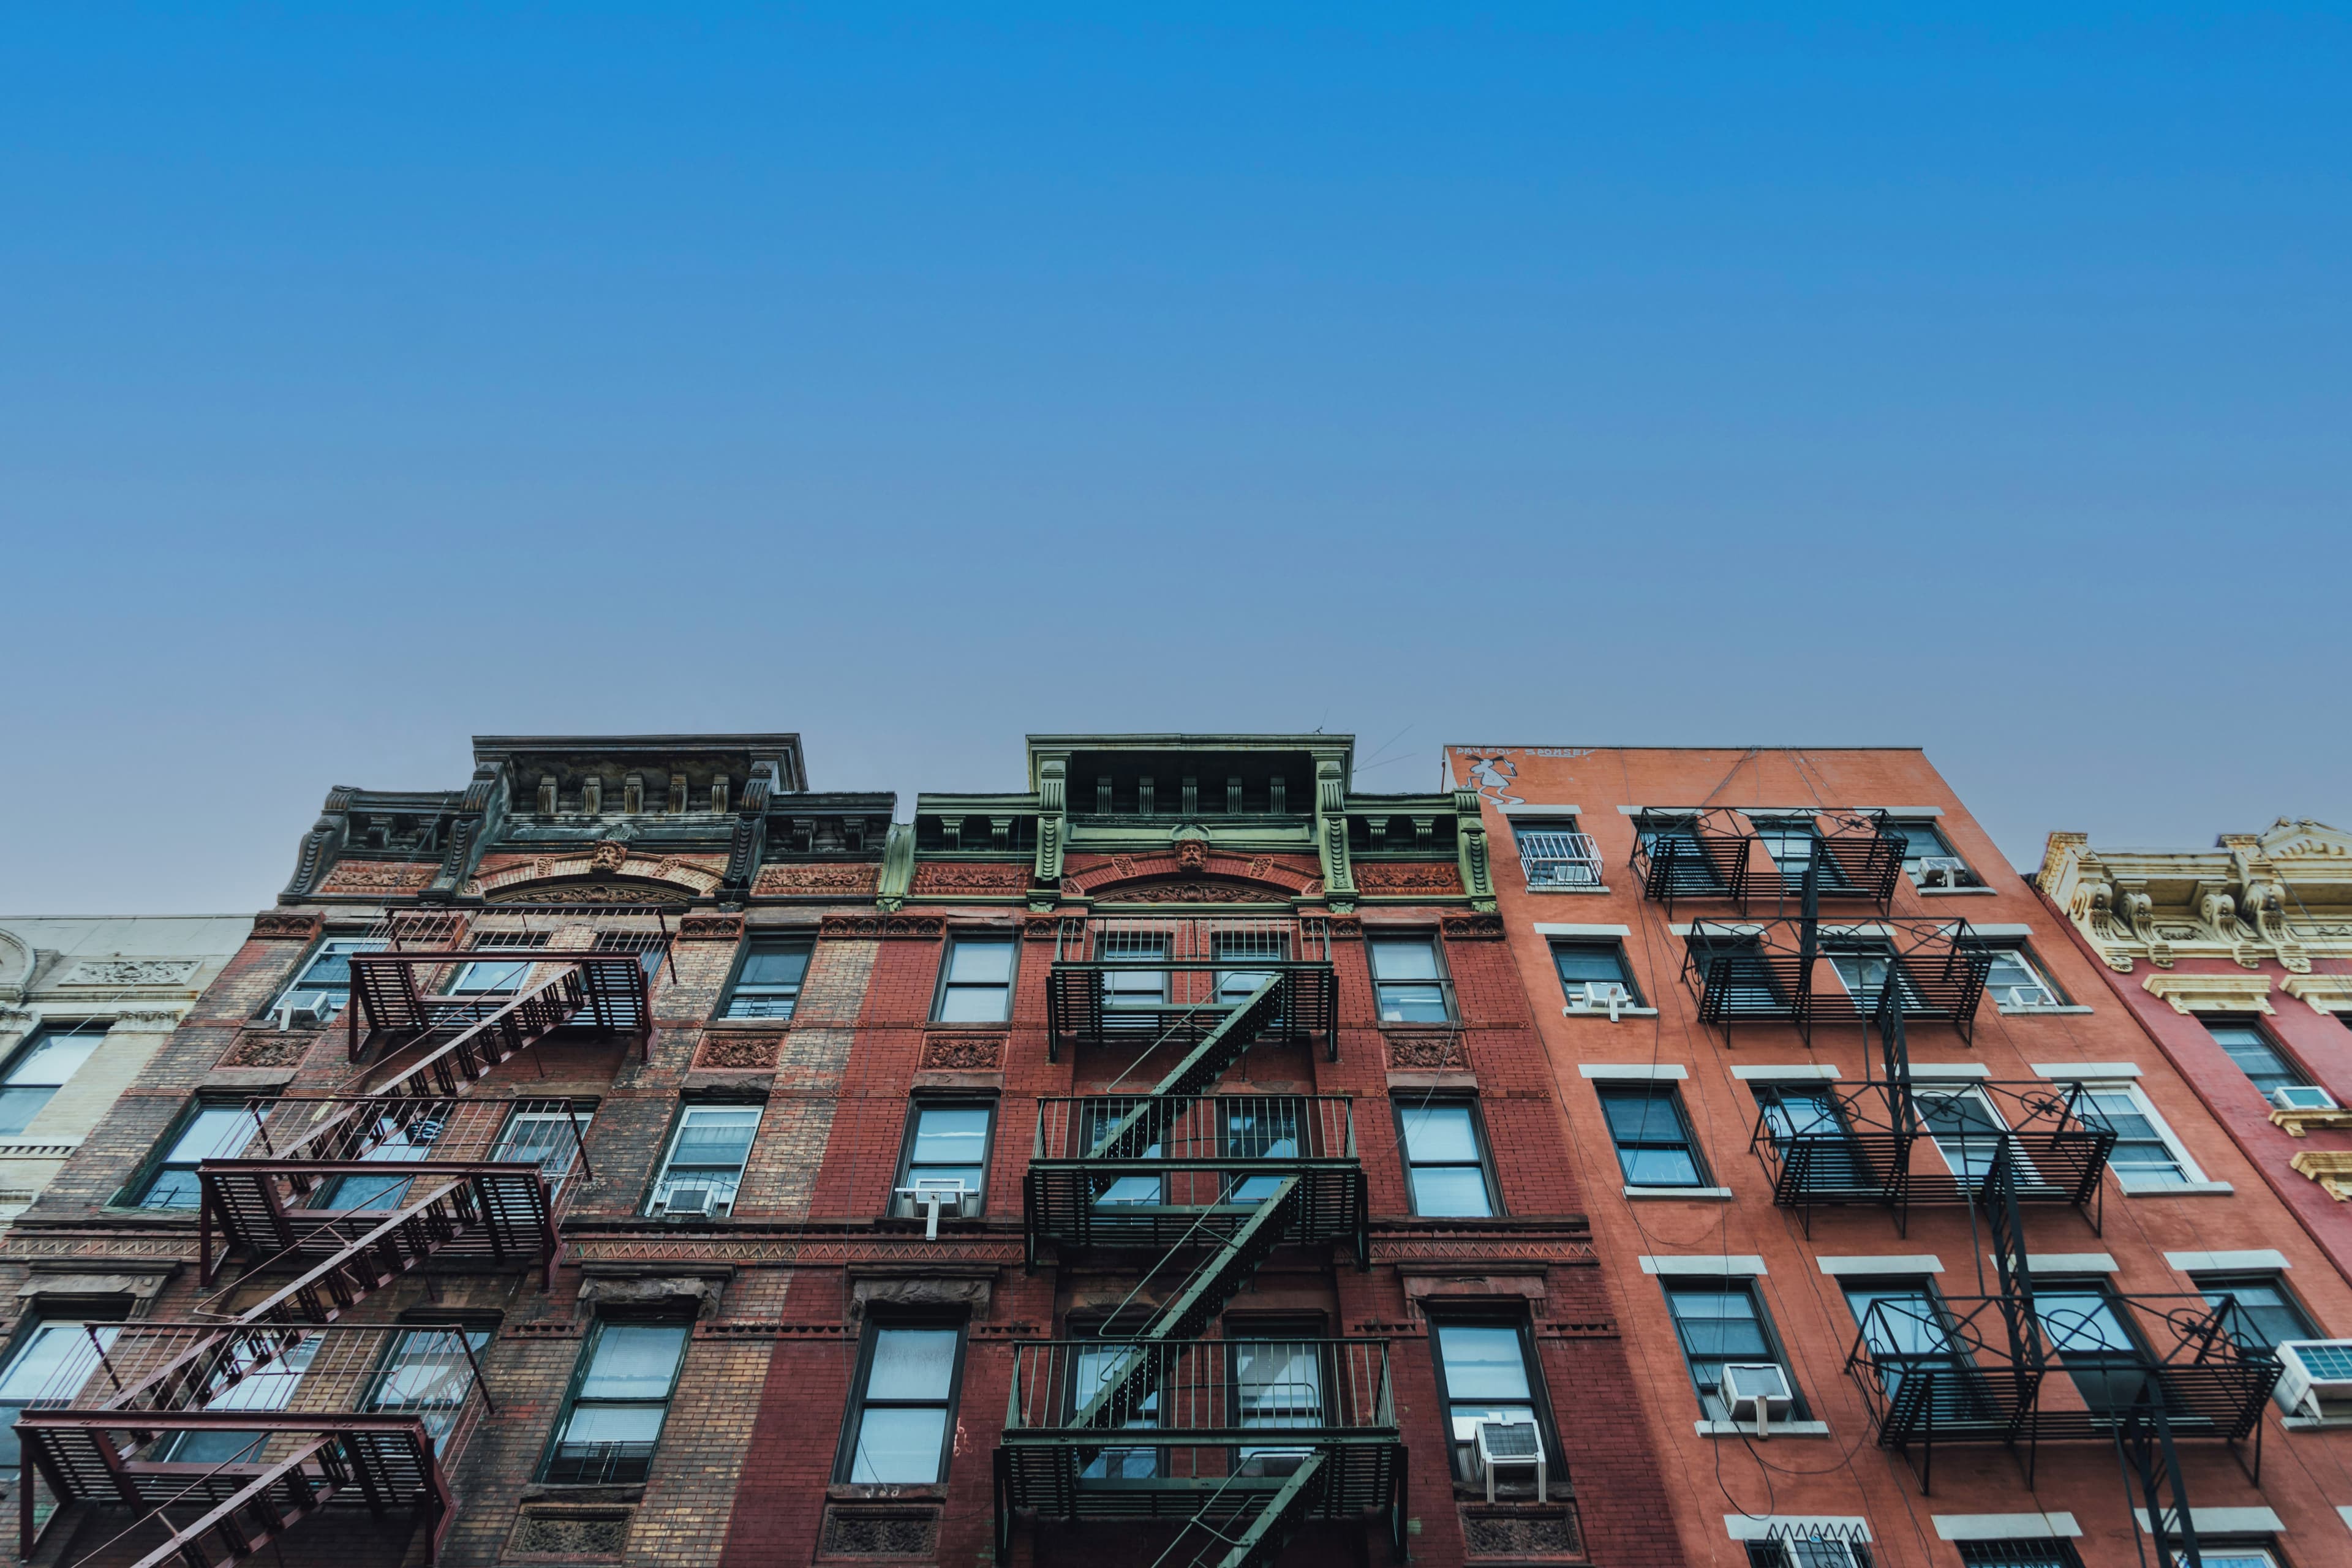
{"points": [[1903, 1110], [1267, 1529], [2144, 1439], [2005, 1229], [257, 1514]]}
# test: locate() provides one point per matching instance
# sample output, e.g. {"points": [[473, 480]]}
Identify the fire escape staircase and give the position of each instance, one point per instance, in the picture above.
{"points": [[1234, 1526]]}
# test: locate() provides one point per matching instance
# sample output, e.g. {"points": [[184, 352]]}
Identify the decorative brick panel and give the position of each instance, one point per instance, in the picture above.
{"points": [[569, 1533], [997, 876], [853, 1531], [268, 1048], [970, 1053], [738, 1052], [1426, 1052], [1522, 1532], [1387, 877], [817, 881]]}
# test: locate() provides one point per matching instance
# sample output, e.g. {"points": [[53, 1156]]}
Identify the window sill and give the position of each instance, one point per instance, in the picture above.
{"points": [[1719, 1194], [879, 1492], [1952, 892], [2175, 1189], [756, 1025], [584, 1491], [2315, 1423], [1602, 1012], [1563, 888], [1745, 1429], [2031, 1012]]}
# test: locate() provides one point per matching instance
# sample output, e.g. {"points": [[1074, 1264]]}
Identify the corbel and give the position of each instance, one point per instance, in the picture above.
{"points": [[1470, 851], [898, 866]]}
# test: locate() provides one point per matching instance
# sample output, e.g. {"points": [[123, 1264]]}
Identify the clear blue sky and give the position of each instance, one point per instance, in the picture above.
{"points": [[916, 379]]}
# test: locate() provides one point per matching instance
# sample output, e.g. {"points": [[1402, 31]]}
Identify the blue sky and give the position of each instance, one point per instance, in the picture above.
{"points": [[916, 378]]}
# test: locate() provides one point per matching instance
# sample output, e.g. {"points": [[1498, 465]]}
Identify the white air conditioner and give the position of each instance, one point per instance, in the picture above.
{"points": [[932, 1196], [2030, 996], [698, 1203], [1758, 1388], [1595, 995], [2303, 1097], [1942, 871], [304, 1007], [1509, 1445], [2315, 1377]]}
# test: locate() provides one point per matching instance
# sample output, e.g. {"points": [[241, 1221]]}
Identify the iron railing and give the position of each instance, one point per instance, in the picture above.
{"points": [[1557, 859], [1718, 854], [1203, 1394], [1149, 980], [1786, 970]]}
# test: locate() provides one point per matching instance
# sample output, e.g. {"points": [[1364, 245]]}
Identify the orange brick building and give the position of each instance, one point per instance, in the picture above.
{"points": [[1858, 1117]]}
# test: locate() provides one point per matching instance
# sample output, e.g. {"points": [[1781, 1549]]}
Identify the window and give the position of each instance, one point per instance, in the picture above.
{"points": [[2033, 1551], [429, 1374], [1794, 843], [1654, 1143], [705, 1165], [323, 985], [976, 981], [1928, 855], [2146, 1153], [548, 1137], [2095, 1346], [1134, 987], [1553, 854], [768, 985], [1804, 1122], [1407, 982], [1102, 1117], [1864, 968], [2262, 1314], [210, 1132], [2230, 1557], [1094, 1368], [1906, 1329], [1445, 1168], [52, 1360], [1592, 972], [258, 1375], [1672, 842], [945, 1144], [1277, 1381], [1969, 1132], [498, 977], [1484, 1373], [41, 1069], [2259, 1061], [609, 1426], [397, 1137], [1720, 1321], [2014, 981], [1269, 945], [1258, 1127], [1809, 1551], [899, 1424]]}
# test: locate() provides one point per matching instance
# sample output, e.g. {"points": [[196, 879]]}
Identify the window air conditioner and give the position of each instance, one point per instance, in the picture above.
{"points": [[2030, 996], [1598, 994], [2315, 1377], [1942, 871], [2302, 1097], [934, 1195], [304, 1007], [696, 1201], [1509, 1445], [1757, 1388]]}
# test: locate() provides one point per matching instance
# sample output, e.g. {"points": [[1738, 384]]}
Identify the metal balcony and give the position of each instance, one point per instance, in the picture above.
{"points": [[1144, 981], [1782, 971], [1216, 1429], [2055, 1366], [217, 1441], [1829, 1144], [468, 1033], [1551, 860], [351, 1190], [1718, 854], [1133, 1170]]}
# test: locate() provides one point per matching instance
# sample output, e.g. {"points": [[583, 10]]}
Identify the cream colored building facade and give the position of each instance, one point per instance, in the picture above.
{"points": [[85, 1000]]}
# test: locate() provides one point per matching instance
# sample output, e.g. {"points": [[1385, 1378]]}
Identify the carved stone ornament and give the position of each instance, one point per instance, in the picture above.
{"points": [[596, 893], [1471, 928], [1521, 1532], [1040, 928], [812, 881], [731, 1052], [1103, 878], [950, 1052], [979, 876], [1202, 893], [609, 855], [2193, 993], [268, 1048], [570, 1534], [274, 927], [1192, 855], [1392, 876], [131, 972], [2331, 1168], [1431, 1052], [711, 928], [860, 1529], [835, 926], [2321, 993], [378, 876]]}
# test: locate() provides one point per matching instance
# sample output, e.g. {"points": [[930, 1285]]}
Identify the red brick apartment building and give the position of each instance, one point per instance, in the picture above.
{"points": [[632, 1157], [1924, 1249]]}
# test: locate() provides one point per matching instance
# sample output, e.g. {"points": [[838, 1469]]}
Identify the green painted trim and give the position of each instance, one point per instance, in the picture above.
{"points": [[898, 866]]}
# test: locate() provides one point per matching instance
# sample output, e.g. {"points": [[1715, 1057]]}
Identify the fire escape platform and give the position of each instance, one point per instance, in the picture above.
{"points": [[491, 1216], [1065, 1203]]}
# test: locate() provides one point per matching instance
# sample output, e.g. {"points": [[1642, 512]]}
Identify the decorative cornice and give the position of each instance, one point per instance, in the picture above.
{"points": [[844, 926], [2331, 1168], [275, 927], [2320, 993], [2190, 994]]}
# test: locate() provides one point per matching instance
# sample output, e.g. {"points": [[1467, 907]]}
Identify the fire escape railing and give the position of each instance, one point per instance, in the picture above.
{"points": [[222, 1438], [1826, 1145], [1143, 981], [1210, 1185], [1716, 855], [1800, 971]]}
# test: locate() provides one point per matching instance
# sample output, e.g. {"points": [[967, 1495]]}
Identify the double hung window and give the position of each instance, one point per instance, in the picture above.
{"points": [[38, 1070], [1908, 1333], [1592, 973], [1969, 1132], [1258, 1127], [976, 980], [1102, 1117], [550, 1139], [1553, 854], [398, 1138], [1866, 968], [323, 986], [1270, 945], [1102, 1365], [210, 1132], [1654, 1143], [1928, 855], [263, 1377], [1804, 1122], [1719, 1321], [429, 1373], [706, 1155], [1445, 1165], [1138, 987], [1808, 1551], [497, 976], [2146, 1154], [621, 1397], [54, 1359], [902, 1416], [1484, 1374], [2261, 1314], [2015, 982], [2083, 1324], [1407, 981], [768, 985], [2264, 1065], [947, 1146], [1794, 843], [1276, 1383]]}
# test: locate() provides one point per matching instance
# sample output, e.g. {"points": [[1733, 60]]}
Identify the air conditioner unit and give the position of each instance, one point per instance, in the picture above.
{"points": [[935, 1195], [1942, 871], [1595, 995], [1758, 1388], [2315, 1377], [2030, 996], [1509, 1445], [2303, 1097], [304, 1007], [689, 1202]]}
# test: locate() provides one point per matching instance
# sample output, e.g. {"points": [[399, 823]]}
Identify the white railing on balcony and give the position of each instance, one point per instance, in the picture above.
{"points": [[1553, 859]]}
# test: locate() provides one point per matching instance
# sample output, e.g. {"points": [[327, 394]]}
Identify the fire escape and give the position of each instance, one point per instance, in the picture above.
{"points": [[223, 1434], [1237, 1441]]}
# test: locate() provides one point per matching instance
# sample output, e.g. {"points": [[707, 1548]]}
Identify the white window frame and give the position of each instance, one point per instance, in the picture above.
{"points": [[297, 994], [2017, 949], [713, 1177], [2192, 1176]]}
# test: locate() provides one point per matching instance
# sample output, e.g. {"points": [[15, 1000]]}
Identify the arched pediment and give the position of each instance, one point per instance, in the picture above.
{"points": [[607, 874], [1193, 873]]}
